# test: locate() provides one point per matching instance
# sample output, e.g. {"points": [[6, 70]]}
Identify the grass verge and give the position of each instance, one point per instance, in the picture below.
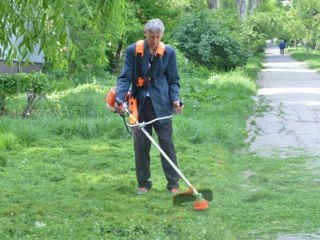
{"points": [[312, 58]]}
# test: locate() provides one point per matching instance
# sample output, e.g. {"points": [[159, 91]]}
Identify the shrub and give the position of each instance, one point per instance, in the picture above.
{"points": [[210, 43], [32, 83]]}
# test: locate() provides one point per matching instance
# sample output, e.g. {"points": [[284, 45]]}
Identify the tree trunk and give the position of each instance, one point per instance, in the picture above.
{"points": [[116, 59], [32, 99], [242, 8], [2, 109], [30, 96], [212, 4], [253, 6]]}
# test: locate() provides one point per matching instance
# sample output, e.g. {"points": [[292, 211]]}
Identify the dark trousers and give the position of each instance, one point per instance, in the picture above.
{"points": [[142, 147]]}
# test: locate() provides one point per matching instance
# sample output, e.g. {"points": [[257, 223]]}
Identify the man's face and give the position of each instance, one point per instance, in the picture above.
{"points": [[153, 39]]}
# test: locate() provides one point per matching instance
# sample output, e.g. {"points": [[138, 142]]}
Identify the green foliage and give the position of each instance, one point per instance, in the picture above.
{"points": [[54, 25], [166, 10], [206, 41], [308, 13], [11, 84], [300, 23], [267, 23]]}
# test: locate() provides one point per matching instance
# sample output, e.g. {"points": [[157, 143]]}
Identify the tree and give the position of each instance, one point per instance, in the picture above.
{"points": [[294, 27], [47, 23], [308, 12], [207, 41]]}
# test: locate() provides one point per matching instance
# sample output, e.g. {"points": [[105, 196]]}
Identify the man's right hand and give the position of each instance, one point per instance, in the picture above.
{"points": [[119, 108]]}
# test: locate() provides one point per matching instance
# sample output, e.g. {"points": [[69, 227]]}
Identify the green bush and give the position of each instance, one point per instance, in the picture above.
{"points": [[259, 46], [209, 43], [11, 84]]}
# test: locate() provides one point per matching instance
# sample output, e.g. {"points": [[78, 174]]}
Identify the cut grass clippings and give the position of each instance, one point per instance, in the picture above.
{"points": [[70, 173]]}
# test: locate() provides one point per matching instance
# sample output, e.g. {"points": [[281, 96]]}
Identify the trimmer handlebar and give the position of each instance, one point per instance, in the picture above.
{"points": [[142, 124]]}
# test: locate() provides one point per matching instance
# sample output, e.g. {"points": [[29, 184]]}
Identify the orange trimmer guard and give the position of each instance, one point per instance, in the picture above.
{"points": [[189, 196]]}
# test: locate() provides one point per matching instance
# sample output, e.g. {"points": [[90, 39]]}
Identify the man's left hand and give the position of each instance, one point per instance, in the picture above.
{"points": [[177, 106]]}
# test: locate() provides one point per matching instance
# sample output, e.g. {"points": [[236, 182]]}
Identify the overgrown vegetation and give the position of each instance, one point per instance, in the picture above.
{"points": [[210, 43], [33, 84]]}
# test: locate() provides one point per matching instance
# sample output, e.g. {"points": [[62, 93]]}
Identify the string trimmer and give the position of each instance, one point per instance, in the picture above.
{"points": [[200, 197]]}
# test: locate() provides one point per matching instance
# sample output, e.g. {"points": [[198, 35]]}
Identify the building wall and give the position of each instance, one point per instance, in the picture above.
{"points": [[4, 68]]}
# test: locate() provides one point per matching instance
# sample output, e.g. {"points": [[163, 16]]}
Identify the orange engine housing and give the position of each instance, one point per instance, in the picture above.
{"points": [[133, 106], [111, 99]]}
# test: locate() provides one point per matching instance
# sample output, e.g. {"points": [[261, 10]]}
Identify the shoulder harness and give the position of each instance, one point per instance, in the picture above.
{"points": [[144, 81]]}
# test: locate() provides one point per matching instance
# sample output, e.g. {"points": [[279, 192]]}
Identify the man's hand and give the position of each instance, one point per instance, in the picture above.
{"points": [[119, 108], [178, 106]]}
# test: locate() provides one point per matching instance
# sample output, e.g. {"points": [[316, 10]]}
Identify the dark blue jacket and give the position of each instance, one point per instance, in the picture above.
{"points": [[164, 88], [282, 45]]}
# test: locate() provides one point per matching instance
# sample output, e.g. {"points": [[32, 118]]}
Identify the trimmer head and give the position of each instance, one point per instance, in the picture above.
{"points": [[189, 196], [200, 205]]}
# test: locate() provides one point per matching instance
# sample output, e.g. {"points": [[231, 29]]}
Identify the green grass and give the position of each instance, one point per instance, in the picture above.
{"points": [[312, 58], [69, 173]]}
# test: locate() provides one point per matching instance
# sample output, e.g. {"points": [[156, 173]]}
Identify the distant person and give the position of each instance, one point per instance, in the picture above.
{"points": [[282, 46]]}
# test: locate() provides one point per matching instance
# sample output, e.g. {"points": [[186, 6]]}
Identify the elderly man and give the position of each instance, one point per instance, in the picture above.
{"points": [[154, 78]]}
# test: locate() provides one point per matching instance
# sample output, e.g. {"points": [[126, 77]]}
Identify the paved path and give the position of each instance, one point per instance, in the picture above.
{"points": [[291, 93]]}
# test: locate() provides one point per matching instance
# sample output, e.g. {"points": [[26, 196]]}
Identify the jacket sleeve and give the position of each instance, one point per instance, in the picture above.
{"points": [[125, 78], [173, 77]]}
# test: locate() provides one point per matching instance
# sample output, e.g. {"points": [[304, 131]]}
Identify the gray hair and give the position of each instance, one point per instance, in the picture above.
{"points": [[154, 26]]}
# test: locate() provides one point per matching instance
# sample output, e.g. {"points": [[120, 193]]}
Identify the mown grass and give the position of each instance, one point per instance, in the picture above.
{"points": [[69, 173], [312, 58]]}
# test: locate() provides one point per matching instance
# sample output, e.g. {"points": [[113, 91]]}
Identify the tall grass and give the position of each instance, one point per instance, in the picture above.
{"points": [[217, 107]]}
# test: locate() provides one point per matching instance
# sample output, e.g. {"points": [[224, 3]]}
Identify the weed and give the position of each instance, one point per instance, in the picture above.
{"points": [[8, 141]]}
